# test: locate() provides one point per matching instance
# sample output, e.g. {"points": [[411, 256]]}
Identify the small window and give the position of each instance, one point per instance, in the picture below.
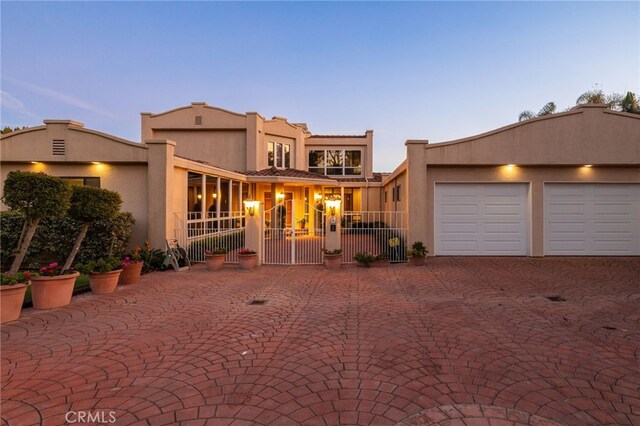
{"points": [[279, 155], [385, 196], [398, 194], [270, 154], [93, 182], [198, 120]]}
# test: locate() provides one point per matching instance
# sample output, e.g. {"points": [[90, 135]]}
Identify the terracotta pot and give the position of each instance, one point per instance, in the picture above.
{"points": [[11, 300], [52, 292], [333, 261], [214, 262], [106, 282], [416, 261], [248, 262], [131, 273]]}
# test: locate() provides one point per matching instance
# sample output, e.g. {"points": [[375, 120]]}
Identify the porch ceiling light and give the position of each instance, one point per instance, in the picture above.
{"points": [[36, 162], [588, 165], [251, 206], [333, 203], [97, 163]]}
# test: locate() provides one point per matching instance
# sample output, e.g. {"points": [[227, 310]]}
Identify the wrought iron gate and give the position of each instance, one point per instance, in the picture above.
{"points": [[378, 233], [293, 234]]}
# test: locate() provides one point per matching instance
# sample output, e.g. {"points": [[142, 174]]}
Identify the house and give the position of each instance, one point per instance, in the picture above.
{"points": [[565, 184], [197, 164]]}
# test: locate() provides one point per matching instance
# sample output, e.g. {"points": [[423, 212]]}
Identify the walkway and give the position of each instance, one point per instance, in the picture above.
{"points": [[463, 341]]}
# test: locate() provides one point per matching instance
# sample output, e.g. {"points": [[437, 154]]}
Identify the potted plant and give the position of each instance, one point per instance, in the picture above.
{"points": [[417, 254], [103, 273], [214, 258], [131, 267], [364, 259], [52, 287], [332, 258], [302, 222], [12, 291], [248, 259]]}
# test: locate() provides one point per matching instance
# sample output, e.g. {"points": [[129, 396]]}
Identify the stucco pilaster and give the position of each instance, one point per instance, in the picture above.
{"points": [[418, 197], [160, 186]]}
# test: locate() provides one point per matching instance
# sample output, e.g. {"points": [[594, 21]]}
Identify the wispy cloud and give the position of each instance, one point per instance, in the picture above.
{"points": [[60, 97], [10, 102]]}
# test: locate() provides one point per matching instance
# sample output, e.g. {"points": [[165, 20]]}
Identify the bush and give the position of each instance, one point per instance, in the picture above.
{"points": [[364, 258], [100, 266], [55, 236], [228, 240]]}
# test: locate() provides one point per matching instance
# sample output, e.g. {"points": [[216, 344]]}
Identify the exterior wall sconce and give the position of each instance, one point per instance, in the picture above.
{"points": [[280, 196], [317, 196], [333, 204], [251, 206], [199, 196]]}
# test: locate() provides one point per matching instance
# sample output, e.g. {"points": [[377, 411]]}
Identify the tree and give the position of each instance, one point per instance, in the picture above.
{"points": [[35, 195], [548, 108], [599, 97], [630, 103], [88, 205], [8, 129]]}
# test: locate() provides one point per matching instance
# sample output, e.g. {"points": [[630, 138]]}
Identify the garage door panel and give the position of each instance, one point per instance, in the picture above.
{"points": [[502, 209], [605, 217], [460, 209], [494, 219]]}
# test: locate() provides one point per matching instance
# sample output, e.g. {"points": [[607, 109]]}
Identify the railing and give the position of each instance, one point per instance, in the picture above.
{"points": [[197, 232], [378, 233]]}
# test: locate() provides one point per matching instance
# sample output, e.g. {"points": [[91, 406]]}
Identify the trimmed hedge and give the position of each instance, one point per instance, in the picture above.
{"points": [[55, 237]]}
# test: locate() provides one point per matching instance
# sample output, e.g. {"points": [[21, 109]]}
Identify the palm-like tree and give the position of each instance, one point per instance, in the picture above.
{"points": [[548, 108]]}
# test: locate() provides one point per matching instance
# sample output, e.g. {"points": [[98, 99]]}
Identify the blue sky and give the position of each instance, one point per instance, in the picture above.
{"points": [[413, 70]]}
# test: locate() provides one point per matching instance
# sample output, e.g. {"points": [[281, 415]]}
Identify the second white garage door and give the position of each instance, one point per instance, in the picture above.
{"points": [[481, 219], [592, 219]]}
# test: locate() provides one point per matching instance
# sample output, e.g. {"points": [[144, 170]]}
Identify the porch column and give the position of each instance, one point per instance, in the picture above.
{"points": [[160, 192], [332, 224], [254, 231]]}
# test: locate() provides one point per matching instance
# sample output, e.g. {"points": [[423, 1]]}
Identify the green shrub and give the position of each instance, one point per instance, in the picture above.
{"points": [[364, 258], [55, 236], [36, 196], [228, 240], [99, 266]]}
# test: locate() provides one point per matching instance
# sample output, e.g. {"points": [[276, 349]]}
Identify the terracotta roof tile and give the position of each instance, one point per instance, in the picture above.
{"points": [[293, 173]]}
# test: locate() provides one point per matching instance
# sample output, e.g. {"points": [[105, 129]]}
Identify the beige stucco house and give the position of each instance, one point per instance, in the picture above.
{"points": [[565, 184]]}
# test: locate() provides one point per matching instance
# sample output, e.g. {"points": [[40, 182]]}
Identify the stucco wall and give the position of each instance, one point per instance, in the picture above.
{"points": [[535, 176], [221, 148], [129, 180]]}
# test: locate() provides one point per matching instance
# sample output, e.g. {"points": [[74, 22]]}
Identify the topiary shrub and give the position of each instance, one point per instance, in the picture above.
{"points": [[35, 196], [53, 239], [89, 205]]}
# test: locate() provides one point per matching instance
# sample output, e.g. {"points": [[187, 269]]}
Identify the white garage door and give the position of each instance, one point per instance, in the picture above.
{"points": [[592, 219], [481, 219]]}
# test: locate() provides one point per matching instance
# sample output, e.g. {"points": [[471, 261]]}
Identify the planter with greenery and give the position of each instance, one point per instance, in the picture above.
{"points": [[103, 274], [332, 258], [214, 258], [12, 291], [132, 265], [417, 254], [248, 259], [34, 195], [364, 259], [52, 287]]}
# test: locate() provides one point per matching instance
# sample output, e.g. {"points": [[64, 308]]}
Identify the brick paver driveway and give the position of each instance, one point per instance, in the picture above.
{"points": [[460, 341]]}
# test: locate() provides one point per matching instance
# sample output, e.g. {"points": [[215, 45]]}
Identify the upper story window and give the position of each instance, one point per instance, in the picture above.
{"points": [[83, 181], [279, 155], [334, 162]]}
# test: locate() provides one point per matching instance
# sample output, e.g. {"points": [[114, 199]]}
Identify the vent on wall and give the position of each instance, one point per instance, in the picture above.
{"points": [[198, 119], [59, 147]]}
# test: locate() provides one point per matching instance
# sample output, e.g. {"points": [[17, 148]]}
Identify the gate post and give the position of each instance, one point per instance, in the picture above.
{"points": [[333, 215], [253, 227]]}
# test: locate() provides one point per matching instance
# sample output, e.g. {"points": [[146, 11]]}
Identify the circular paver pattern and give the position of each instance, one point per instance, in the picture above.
{"points": [[460, 341]]}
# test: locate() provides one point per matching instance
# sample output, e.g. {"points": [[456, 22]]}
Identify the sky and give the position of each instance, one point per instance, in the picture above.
{"points": [[407, 70]]}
